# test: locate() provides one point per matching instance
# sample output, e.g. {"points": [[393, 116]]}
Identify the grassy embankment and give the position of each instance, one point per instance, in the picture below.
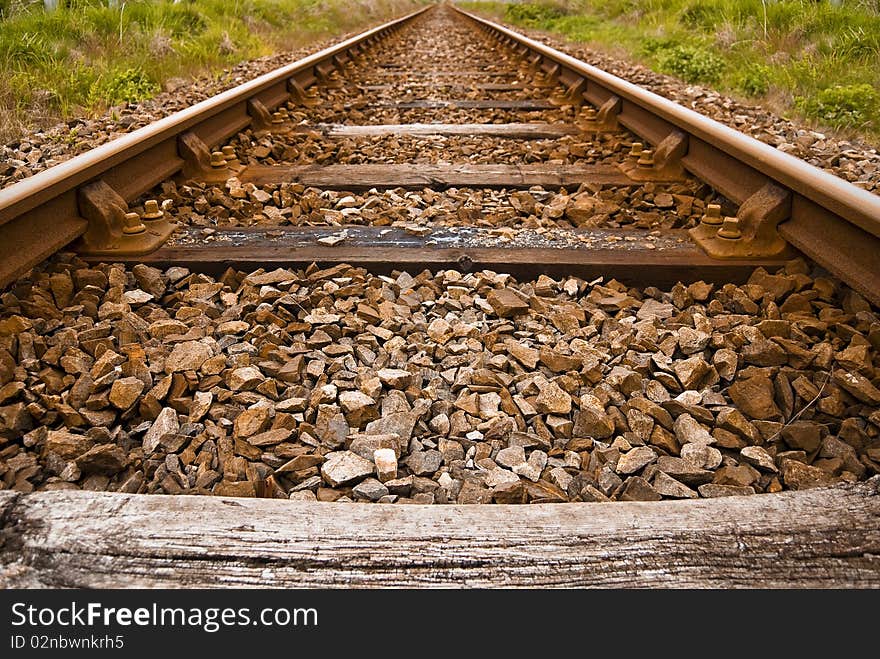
{"points": [[87, 56], [811, 59]]}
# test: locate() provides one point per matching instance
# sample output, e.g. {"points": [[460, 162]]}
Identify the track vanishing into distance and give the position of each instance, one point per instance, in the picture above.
{"points": [[443, 263]]}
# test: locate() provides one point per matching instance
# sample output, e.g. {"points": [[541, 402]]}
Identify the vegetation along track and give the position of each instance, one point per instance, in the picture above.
{"points": [[439, 263]]}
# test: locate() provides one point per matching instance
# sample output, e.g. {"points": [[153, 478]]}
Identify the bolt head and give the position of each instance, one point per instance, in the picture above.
{"points": [[217, 159], [713, 215], [132, 224], [730, 229], [151, 210]]}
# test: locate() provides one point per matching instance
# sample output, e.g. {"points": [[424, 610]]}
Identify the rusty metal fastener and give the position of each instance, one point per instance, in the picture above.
{"points": [[217, 159], [228, 153], [730, 229], [712, 216], [277, 118], [151, 210], [635, 150], [132, 224], [646, 159], [590, 114]]}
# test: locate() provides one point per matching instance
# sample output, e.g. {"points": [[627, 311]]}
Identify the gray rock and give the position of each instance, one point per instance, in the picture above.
{"points": [[165, 424], [422, 463], [370, 489], [759, 457], [635, 459], [688, 430], [511, 456], [669, 487], [344, 467], [701, 455]]}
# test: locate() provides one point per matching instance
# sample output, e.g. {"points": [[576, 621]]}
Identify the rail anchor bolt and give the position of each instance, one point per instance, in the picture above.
{"points": [[730, 229], [712, 216], [217, 160], [228, 153], [152, 211], [646, 159], [132, 224], [277, 119], [635, 150]]}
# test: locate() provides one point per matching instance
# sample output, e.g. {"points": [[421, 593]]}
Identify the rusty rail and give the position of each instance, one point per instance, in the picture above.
{"points": [[42, 214], [831, 220]]}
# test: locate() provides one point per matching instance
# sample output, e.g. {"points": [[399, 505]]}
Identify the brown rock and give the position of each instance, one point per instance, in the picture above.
{"points": [[125, 392], [725, 362], [244, 378], [300, 462], [688, 430], [473, 492], [691, 371], [713, 490], [105, 459], [637, 488], [754, 397], [803, 435], [635, 459], [187, 356], [423, 463], [234, 489], [799, 476], [559, 362], [528, 357], [66, 444], [591, 421], [859, 386], [759, 457], [506, 303], [201, 404], [741, 475], [511, 492], [359, 409], [552, 400], [395, 378], [251, 421], [270, 437]]}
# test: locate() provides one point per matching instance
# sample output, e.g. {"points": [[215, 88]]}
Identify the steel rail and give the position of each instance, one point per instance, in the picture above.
{"points": [[40, 215], [831, 220]]}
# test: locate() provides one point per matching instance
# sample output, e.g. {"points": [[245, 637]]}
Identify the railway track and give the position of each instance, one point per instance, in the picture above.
{"points": [[443, 263]]}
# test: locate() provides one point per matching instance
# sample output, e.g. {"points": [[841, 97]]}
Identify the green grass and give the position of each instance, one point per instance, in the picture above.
{"points": [[88, 56], [812, 59]]}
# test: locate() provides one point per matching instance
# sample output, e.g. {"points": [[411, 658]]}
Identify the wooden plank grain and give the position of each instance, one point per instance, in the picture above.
{"points": [[525, 104], [815, 538], [629, 256], [515, 131], [417, 176]]}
